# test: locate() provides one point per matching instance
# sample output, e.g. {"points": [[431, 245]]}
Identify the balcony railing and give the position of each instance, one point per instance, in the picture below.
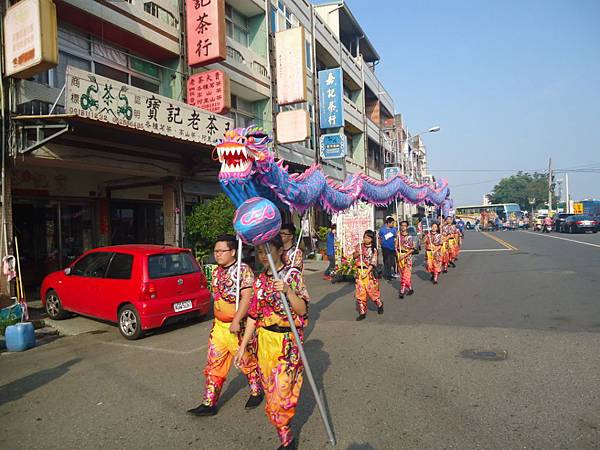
{"points": [[242, 56]]}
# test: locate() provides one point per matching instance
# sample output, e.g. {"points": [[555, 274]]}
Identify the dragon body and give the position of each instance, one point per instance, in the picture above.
{"points": [[249, 169]]}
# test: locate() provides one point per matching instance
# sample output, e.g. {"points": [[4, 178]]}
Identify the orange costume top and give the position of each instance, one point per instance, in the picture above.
{"points": [[224, 286]]}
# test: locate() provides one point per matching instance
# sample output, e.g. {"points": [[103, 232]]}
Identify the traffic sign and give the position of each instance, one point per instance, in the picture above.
{"points": [[390, 172], [333, 146]]}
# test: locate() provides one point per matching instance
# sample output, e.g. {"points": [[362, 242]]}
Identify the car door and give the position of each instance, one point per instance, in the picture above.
{"points": [[84, 282], [117, 286]]}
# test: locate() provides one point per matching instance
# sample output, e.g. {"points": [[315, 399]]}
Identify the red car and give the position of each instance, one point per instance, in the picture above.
{"points": [[137, 286]]}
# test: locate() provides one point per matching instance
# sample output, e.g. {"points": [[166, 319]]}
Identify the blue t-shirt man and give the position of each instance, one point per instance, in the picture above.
{"points": [[387, 236]]}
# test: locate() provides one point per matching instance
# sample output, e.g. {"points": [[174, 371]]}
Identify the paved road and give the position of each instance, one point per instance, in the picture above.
{"points": [[392, 381]]}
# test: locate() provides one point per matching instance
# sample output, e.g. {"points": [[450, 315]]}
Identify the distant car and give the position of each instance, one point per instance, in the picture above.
{"points": [[559, 219], [577, 223], [416, 238], [137, 286]]}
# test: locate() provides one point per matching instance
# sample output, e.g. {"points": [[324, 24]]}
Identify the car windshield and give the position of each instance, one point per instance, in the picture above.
{"points": [[171, 264]]}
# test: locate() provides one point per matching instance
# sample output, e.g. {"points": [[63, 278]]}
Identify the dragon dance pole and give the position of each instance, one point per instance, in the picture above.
{"points": [[309, 375], [239, 270]]}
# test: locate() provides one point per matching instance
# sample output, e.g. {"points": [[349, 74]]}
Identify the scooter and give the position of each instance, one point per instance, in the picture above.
{"points": [[547, 228], [538, 227]]}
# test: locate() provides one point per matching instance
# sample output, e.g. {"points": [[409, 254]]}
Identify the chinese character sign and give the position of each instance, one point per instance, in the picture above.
{"points": [[98, 98], [210, 91], [333, 146], [331, 98], [205, 20]]}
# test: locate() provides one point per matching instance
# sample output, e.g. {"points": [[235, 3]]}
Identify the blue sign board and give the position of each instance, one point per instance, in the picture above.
{"points": [[390, 172], [333, 146], [331, 98]]}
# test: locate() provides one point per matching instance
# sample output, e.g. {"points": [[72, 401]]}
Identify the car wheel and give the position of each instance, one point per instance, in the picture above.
{"points": [[54, 306], [571, 231], [130, 324]]}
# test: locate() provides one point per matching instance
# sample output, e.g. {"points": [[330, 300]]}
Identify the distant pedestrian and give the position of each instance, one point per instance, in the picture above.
{"points": [[387, 239], [367, 284], [330, 251]]}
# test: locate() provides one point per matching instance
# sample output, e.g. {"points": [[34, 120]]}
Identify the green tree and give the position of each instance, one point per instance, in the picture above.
{"points": [[208, 221], [521, 187]]}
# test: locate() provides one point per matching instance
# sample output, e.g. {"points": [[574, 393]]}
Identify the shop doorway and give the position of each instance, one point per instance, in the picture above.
{"points": [[51, 234], [136, 223]]}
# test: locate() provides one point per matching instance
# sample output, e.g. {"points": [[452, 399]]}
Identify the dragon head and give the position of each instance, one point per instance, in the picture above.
{"points": [[242, 152]]}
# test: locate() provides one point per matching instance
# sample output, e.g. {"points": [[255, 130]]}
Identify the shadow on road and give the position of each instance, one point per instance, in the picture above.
{"points": [[19, 388], [319, 363], [315, 309]]}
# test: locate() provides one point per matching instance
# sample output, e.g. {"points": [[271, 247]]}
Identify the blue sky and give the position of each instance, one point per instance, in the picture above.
{"points": [[510, 82]]}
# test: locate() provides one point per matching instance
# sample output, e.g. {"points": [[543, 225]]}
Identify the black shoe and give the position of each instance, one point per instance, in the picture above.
{"points": [[401, 295], [361, 317], [435, 281], [452, 264], [293, 445], [254, 401], [445, 271], [410, 292], [202, 411], [380, 309], [432, 278]]}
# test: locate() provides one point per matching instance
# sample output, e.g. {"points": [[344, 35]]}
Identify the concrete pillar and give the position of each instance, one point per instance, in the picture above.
{"points": [[169, 213]]}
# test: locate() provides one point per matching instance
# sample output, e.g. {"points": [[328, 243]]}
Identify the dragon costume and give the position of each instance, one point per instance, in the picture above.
{"points": [[249, 169]]}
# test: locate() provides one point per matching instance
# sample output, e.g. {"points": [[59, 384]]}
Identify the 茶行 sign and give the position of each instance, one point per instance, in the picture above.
{"points": [[99, 98], [333, 146], [331, 98], [205, 23]]}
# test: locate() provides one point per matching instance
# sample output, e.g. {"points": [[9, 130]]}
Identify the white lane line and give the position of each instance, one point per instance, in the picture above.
{"points": [[487, 250], [563, 239], [154, 349]]}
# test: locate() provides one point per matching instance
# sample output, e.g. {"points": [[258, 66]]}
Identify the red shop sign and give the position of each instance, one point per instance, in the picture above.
{"points": [[210, 91], [205, 21]]}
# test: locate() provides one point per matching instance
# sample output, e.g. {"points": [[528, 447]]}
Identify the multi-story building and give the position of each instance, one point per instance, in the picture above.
{"points": [[74, 183]]}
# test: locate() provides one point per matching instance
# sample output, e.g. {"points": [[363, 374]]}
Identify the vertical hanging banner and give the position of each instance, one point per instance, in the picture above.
{"points": [[205, 23], [290, 64], [331, 100], [210, 91]]}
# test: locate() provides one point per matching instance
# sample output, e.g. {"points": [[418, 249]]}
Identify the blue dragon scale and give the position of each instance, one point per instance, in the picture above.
{"points": [[249, 169]]}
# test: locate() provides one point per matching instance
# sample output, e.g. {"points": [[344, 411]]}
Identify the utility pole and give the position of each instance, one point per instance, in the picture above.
{"points": [[568, 211], [549, 186]]}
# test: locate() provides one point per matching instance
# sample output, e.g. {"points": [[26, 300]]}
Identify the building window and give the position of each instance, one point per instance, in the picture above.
{"points": [[161, 14], [242, 112], [237, 26], [309, 56], [282, 18]]}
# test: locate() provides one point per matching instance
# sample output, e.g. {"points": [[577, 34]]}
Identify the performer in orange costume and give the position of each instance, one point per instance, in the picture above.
{"points": [[225, 336], [450, 235], [367, 285], [405, 247], [278, 356], [433, 247]]}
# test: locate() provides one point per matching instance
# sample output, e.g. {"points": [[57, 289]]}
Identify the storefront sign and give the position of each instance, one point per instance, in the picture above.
{"points": [[31, 44], [205, 20], [333, 146], [290, 64], [390, 172], [331, 100], [210, 91], [293, 126], [98, 98]]}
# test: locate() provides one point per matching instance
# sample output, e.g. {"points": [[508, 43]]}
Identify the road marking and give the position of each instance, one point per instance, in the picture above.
{"points": [[163, 350], [487, 250], [500, 241], [564, 239]]}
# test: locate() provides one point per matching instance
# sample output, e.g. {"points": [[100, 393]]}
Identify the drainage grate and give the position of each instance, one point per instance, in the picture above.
{"points": [[486, 355]]}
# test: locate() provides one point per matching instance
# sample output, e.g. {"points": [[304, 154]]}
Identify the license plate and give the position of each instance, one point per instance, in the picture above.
{"points": [[182, 306], [587, 222]]}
